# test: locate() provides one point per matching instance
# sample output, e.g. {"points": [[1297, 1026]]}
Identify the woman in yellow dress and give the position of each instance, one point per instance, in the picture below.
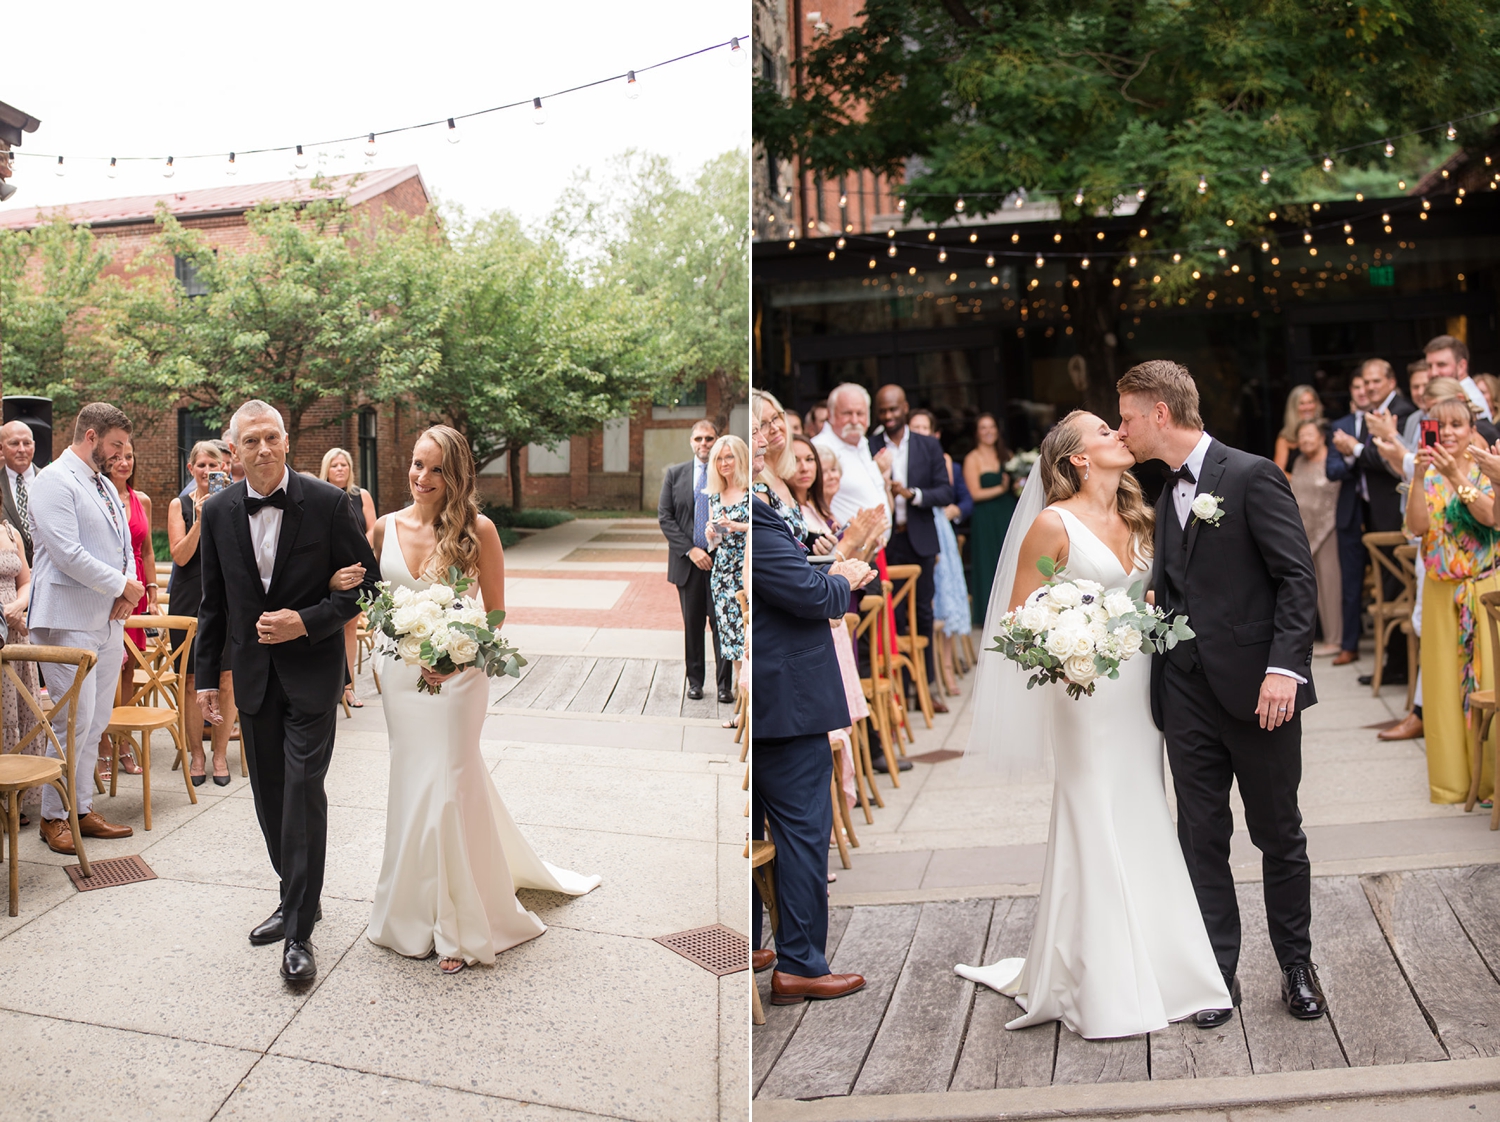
{"points": [[1451, 507]]}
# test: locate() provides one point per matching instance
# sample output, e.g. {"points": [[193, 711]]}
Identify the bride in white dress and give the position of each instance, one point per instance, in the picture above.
{"points": [[453, 856], [1119, 946]]}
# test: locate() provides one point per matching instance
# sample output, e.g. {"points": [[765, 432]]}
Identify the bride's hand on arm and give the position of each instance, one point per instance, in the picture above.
{"points": [[1048, 537], [350, 576]]}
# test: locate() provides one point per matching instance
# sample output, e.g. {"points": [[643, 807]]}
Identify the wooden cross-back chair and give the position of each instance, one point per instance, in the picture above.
{"points": [[877, 687], [762, 856], [1406, 557], [859, 743], [910, 648], [18, 772], [364, 642], [1387, 615], [1482, 707], [165, 681], [742, 687], [895, 667]]}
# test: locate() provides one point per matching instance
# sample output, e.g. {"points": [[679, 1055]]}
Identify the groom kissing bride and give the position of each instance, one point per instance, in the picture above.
{"points": [[1134, 929]]}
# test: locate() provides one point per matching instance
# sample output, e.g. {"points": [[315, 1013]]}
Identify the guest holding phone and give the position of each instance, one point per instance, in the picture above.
{"points": [[728, 522], [185, 594]]}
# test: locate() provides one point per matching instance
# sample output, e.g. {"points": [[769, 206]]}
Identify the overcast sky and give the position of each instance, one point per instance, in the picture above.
{"points": [[127, 78]]}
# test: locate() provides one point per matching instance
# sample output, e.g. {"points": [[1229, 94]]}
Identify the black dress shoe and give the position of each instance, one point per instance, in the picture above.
{"points": [[1389, 680], [273, 930], [297, 962], [1302, 993], [1213, 1018], [902, 764], [695, 693], [726, 697]]}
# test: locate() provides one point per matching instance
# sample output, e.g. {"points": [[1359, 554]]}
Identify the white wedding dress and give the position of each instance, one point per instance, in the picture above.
{"points": [[453, 856], [1119, 946]]}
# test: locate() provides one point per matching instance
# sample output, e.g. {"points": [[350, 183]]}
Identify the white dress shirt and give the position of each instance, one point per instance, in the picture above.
{"points": [[29, 475], [265, 529], [1474, 394], [900, 447], [862, 485], [1182, 500]]}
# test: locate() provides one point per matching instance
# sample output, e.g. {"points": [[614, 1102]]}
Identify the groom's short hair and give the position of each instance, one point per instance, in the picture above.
{"points": [[100, 416], [1168, 383]]}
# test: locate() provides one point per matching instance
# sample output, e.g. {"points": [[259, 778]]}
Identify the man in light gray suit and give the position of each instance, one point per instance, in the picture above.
{"points": [[83, 585]]}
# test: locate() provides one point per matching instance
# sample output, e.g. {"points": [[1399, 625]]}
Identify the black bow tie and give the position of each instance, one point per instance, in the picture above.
{"points": [[1184, 473], [275, 498]]}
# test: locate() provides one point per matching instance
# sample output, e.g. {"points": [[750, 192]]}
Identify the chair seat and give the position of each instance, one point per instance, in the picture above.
{"points": [[140, 677], [1485, 699], [1391, 611], [762, 853], [140, 718], [28, 771]]}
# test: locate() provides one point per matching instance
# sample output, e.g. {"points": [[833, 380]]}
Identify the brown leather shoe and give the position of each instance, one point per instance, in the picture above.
{"points": [[789, 989], [1344, 658], [762, 960], [92, 825], [1408, 727], [58, 835]]}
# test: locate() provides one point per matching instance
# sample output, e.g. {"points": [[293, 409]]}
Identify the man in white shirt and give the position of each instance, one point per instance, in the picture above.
{"points": [[18, 450], [1448, 357], [863, 484]]}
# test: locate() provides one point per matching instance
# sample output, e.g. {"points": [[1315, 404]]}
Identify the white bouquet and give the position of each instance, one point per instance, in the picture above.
{"points": [[437, 627], [1075, 631], [1018, 467]]}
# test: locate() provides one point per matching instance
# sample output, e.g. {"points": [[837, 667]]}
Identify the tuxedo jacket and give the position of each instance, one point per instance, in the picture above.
{"points": [[1350, 517], [13, 513], [926, 471], [1385, 500], [675, 514], [796, 686], [1249, 588], [319, 534]]}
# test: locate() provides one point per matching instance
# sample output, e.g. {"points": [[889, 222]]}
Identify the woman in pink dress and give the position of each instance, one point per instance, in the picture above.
{"points": [[121, 472]]}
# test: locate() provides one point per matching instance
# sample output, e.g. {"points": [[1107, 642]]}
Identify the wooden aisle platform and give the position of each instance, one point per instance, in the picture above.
{"points": [[1409, 962], [580, 684]]}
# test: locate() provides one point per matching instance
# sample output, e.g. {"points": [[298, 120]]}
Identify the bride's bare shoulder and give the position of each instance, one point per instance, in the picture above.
{"points": [[1047, 527]]}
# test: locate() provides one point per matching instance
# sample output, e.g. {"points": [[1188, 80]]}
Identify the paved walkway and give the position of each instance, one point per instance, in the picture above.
{"points": [[147, 1002], [1403, 930]]}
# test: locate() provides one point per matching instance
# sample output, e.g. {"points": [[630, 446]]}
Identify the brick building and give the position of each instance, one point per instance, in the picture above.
{"points": [[616, 467]]}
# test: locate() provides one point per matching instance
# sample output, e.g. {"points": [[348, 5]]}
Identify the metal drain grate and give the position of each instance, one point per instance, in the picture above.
{"points": [[110, 873], [718, 949]]}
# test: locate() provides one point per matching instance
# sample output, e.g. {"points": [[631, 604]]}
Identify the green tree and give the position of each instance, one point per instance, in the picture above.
{"points": [[1099, 98]]}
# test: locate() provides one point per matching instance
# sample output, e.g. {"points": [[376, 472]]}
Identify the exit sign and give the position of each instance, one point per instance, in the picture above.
{"points": [[1382, 276]]}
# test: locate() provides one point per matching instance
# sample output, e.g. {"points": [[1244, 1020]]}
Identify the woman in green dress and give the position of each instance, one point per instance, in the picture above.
{"points": [[994, 503]]}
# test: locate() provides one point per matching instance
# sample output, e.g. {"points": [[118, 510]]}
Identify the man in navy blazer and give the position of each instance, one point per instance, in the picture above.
{"points": [[919, 483], [1349, 524], [797, 698]]}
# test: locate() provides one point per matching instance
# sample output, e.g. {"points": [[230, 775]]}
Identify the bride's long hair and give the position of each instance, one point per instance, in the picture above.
{"points": [[457, 525], [1060, 480]]}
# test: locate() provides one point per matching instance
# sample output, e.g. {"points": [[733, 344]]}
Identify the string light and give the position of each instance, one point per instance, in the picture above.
{"points": [[1202, 184], [1056, 238], [632, 90], [299, 161], [793, 245], [1176, 258], [1143, 231], [872, 262], [168, 171], [1085, 263], [932, 235], [1223, 252], [942, 255], [1401, 185], [1327, 163], [1140, 195], [231, 169], [901, 205], [61, 171], [1264, 246], [973, 238], [1132, 262], [840, 243], [1197, 275], [890, 250], [1306, 236], [1265, 174], [1038, 260], [989, 262], [369, 146], [111, 171], [1390, 149], [843, 201], [959, 206], [736, 52], [454, 136], [891, 233], [1015, 238], [1452, 133], [1078, 198], [539, 115], [831, 255]]}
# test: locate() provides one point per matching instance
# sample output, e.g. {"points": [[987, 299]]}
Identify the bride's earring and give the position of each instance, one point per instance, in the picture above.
{"points": [[1085, 472]]}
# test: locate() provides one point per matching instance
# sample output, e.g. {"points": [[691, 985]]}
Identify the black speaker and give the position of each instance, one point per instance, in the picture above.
{"points": [[37, 413]]}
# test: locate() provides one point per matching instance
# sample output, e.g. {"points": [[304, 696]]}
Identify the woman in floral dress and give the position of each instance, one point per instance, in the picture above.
{"points": [[728, 522]]}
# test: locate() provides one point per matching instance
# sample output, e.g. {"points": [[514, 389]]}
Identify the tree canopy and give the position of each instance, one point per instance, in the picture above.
{"points": [[1216, 114]]}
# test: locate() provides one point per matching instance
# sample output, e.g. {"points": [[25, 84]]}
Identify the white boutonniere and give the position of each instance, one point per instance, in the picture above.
{"points": [[1208, 508]]}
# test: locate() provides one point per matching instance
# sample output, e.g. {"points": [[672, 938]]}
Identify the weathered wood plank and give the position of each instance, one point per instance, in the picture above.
{"points": [[919, 1039], [1100, 1061], [538, 675], [667, 689], [706, 707], [1452, 982], [566, 681], [1376, 1017], [768, 1040], [629, 694], [1278, 1041], [1472, 894], [600, 683], [828, 1049], [1184, 1051], [502, 686], [992, 1055]]}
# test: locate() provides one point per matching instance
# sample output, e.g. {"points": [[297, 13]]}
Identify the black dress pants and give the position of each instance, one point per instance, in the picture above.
{"points": [[696, 599], [899, 551], [1207, 749], [789, 790], [1352, 562], [290, 749]]}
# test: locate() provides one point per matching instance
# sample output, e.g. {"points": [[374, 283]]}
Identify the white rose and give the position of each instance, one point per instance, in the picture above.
{"points": [[1059, 642], [440, 594], [475, 615], [1065, 595], [401, 596], [1072, 618], [1098, 632], [403, 619], [440, 639], [1118, 603], [409, 649], [1083, 643], [1080, 669], [1033, 618], [461, 648], [1130, 641], [1205, 506]]}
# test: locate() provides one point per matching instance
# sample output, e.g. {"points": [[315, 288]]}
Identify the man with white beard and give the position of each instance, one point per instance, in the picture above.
{"points": [[863, 483]]}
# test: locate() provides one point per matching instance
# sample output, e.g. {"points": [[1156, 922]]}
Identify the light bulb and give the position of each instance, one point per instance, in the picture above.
{"points": [[1306, 236], [792, 244], [1265, 246], [1014, 238], [1143, 231], [901, 205], [169, 171], [1385, 218], [1132, 262], [60, 170], [1038, 260], [840, 243], [632, 87], [989, 262], [1056, 238], [737, 53], [1203, 185], [1452, 132], [1401, 185], [454, 136], [229, 168], [1020, 201], [370, 146], [1176, 258], [872, 262], [299, 161], [1197, 275], [891, 233], [1223, 252], [538, 114], [942, 255], [1390, 149], [1272, 216], [1327, 163], [1085, 263], [1140, 195], [959, 206], [890, 250], [111, 171], [831, 255], [1078, 198], [1348, 229], [1265, 175], [932, 235], [843, 201]]}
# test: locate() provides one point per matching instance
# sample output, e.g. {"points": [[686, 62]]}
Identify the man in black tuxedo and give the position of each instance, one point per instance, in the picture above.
{"points": [[271, 544], [1376, 483], [919, 482], [1229, 700], [1349, 522], [683, 514]]}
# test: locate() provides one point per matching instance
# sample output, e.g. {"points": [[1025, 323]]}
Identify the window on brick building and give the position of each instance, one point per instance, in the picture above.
{"points": [[192, 426], [187, 276], [369, 461], [684, 397]]}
